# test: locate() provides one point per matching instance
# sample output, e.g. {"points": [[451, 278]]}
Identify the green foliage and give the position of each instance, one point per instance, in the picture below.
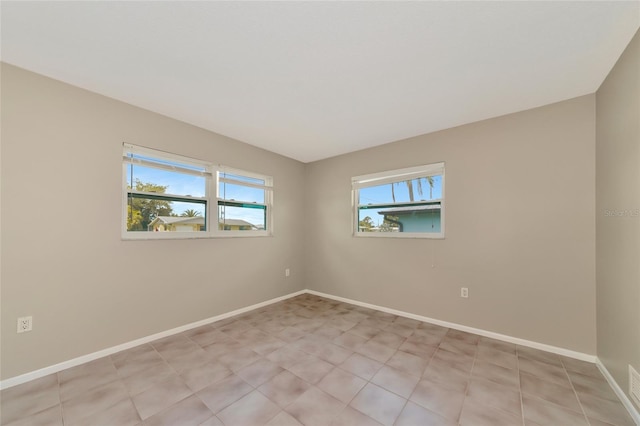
{"points": [[390, 224], [141, 211], [366, 224], [190, 213], [409, 184]]}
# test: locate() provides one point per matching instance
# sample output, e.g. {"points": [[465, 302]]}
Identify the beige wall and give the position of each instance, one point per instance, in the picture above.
{"points": [[520, 228], [618, 237], [63, 260]]}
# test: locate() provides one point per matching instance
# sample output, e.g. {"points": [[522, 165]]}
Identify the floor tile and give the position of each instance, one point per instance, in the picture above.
{"points": [[605, 410], [376, 351], [51, 416], [298, 367], [544, 371], [286, 357], [238, 358], [549, 391], [290, 334], [582, 367], [122, 413], [545, 413], [259, 372], [490, 394], [352, 417], [284, 388], [333, 353], [267, 345], [212, 421], [136, 360], [341, 385], [463, 336], [396, 381], [590, 385], [475, 413], [252, 409], [206, 335], [414, 415], [223, 393], [389, 339], [495, 356], [408, 363], [312, 369], [201, 376], [143, 380], [379, 404], [315, 407], [365, 331], [83, 406], [361, 366], [458, 347], [540, 356], [499, 345], [160, 396], [400, 329], [218, 349], [284, 419], [423, 350], [447, 375], [458, 361], [496, 373], [29, 398], [436, 398], [83, 378], [350, 341]]}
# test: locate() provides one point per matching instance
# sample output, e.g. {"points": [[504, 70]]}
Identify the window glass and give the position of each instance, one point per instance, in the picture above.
{"points": [[167, 196], [413, 206]]}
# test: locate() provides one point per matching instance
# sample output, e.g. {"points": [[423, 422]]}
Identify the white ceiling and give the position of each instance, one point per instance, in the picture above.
{"points": [[312, 80]]}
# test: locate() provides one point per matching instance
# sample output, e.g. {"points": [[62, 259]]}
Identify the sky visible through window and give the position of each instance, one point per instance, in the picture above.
{"points": [[184, 184], [382, 194]]}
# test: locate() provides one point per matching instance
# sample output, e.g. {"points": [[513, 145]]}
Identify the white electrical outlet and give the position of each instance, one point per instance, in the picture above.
{"points": [[464, 292], [287, 272], [25, 324]]}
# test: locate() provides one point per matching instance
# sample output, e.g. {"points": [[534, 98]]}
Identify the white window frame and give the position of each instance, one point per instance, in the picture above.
{"points": [[211, 199], [394, 176], [268, 200]]}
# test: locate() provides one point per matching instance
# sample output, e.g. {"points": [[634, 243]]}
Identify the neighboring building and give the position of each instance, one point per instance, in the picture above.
{"points": [[177, 224], [236, 225], [414, 218], [195, 224]]}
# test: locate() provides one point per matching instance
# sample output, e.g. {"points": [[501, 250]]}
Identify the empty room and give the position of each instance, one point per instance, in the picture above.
{"points": [[320, 213]]}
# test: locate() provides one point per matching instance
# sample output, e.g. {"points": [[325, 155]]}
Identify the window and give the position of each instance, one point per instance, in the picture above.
{"points": [[243, 201], [400, 203], [170, 196]]}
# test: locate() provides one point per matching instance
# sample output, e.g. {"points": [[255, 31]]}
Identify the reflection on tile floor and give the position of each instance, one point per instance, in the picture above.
{"points": [[315, 361]]}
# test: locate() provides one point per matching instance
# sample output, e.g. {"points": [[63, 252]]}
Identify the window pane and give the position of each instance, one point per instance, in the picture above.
{"points": [[406, 206], [150, 179], [229, 191], [422, 189], [242, 178], [417, 218], [242, 218], [158, 215]]}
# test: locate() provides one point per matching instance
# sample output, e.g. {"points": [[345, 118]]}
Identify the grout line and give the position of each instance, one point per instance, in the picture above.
{"points": [[520, 384], [575, 392]]}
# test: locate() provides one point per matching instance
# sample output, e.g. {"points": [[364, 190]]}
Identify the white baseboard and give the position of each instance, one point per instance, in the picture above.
{"points": [[635, 415], [497, 336], [23, 378]]}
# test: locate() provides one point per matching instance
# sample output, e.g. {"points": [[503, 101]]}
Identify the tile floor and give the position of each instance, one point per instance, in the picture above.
{"points": [[314, 361]]}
